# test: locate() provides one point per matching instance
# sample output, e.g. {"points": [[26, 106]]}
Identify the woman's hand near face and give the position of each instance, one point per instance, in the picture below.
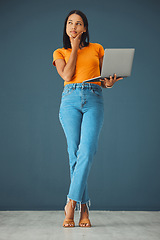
{"points": [[67, 70], [75, 42], [109, 82]]}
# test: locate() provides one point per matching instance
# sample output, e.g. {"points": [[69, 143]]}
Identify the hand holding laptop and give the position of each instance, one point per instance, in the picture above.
{"points": [[117, 61], [108, 83]]}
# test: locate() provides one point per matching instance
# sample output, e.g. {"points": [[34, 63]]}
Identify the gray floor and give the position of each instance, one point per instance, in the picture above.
{"points": [[47, 225]]}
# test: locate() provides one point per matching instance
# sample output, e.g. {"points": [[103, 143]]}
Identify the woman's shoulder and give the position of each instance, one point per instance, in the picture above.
{"points": [[98, 48], [59, 50], [96, 45], [60, 53]]}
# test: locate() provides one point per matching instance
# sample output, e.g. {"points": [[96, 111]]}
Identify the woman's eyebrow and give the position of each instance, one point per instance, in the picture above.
{"points": [[72, 20]]}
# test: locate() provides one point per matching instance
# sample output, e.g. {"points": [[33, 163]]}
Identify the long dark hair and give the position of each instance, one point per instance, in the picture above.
{"points": [[85, 35]]}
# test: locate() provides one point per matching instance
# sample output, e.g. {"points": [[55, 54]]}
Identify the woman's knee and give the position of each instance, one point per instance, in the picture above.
{"points": [[87, 152]]}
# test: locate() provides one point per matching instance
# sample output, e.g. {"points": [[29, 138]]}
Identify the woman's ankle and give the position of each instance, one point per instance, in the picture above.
{"points": [[84, 208], [73, 203]]}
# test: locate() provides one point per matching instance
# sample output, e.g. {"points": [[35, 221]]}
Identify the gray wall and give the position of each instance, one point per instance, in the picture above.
{"points": [[34, 170]]}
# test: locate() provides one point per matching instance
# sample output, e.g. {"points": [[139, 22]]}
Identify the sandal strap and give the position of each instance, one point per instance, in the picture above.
{"points": [[69, 219]]}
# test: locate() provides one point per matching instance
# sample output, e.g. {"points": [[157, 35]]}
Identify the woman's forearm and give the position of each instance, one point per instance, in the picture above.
{"points": [[69, 68]]}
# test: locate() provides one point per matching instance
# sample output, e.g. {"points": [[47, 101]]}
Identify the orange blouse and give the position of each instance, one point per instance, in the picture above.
{"points": [[87, 65]]}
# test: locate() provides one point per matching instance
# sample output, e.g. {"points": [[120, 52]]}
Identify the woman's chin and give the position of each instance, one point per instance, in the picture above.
{"points": [[74, 35]]}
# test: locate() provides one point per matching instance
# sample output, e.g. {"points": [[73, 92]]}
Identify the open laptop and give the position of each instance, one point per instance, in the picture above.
{"points": [[116, 60]]}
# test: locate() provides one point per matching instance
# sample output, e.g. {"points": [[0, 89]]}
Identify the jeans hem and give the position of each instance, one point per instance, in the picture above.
{"points": [[78, 204]]}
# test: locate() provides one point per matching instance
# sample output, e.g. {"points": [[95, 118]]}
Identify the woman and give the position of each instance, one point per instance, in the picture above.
{"points": [[81, 111]]}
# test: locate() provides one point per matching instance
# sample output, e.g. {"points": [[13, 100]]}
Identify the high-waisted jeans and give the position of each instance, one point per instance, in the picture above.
{"points": [[81, 115]]}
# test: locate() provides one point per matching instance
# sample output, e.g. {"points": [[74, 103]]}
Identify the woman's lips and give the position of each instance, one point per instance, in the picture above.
{"points": [[73, 32]]}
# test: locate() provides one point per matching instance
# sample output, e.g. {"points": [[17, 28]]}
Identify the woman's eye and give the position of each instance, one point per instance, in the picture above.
{"points": [[77, 23]]}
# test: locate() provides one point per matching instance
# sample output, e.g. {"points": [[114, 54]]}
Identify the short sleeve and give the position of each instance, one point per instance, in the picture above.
{"points": [[101, 51], [57, 54]]}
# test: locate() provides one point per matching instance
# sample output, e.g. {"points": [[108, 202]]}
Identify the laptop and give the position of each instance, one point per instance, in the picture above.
{"points": [[116, 60]]}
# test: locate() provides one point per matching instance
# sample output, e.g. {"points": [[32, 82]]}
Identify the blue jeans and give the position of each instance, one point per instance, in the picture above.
{"points": [[81, 115]]}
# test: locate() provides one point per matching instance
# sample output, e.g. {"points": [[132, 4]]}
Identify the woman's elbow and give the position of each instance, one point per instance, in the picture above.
{"points": [[66, 75], [67, 78]]}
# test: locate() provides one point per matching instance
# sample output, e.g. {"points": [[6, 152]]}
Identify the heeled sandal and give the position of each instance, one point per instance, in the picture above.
{"points": [[69, 221], [85, 221]]}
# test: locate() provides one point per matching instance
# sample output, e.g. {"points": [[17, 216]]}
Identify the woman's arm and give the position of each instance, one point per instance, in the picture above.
{"points": [[100, 66], [66, 71], [100, 63]]}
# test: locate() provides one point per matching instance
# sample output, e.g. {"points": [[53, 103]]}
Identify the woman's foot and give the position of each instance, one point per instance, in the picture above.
{"points": [[69, 214], [84, 218]]}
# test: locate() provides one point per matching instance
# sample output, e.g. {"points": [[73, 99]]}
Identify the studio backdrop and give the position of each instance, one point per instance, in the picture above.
{"points": [[34, 164]]}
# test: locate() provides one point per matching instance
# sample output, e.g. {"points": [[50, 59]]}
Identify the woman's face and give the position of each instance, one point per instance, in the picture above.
{"points": [[75, 25]]}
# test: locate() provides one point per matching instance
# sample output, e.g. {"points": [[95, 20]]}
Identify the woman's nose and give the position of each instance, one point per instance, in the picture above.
{"points": [[74, 26]]}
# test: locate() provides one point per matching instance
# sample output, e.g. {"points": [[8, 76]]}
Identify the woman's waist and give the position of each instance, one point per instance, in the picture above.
{"points": [[83, 85], [80, 81]]}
